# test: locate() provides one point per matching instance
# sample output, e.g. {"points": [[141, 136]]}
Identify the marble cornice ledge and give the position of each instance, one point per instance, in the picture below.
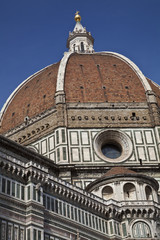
{"points": [[29, 121], [60, 187], [23, 155], [111, 105], [65, 190], [148, 210]]}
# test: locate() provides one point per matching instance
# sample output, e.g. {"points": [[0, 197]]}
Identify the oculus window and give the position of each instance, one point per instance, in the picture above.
{"points": [[113, 146], [111, 150]]}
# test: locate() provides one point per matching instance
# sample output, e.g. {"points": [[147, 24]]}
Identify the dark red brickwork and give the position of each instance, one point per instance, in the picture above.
{"points": [[89, 78], [101, 78], [36, 96]]}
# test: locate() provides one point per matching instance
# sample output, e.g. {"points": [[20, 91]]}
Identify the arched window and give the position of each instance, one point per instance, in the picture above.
{"points": [[82, 47], [148, 191], [74, 47], [129, 192], [107, 192], [141, 230]]}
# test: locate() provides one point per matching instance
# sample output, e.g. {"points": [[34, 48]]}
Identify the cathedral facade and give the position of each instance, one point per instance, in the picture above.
{"points": [[79, 150]]}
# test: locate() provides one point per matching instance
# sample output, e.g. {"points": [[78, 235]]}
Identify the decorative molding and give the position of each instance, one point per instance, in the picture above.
{"points": [[32, 133], [110, 208], [29, 122], [109, 118], [61, 72]]}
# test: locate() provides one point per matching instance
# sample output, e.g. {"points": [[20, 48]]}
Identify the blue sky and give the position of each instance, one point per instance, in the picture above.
{"points": [[34, 34]]}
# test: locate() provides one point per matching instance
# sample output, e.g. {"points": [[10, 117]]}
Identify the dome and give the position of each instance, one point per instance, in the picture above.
{"points": [[34, 96], [121, 174], [82, 79], [111, 78], [90, 130], [108, 74]]}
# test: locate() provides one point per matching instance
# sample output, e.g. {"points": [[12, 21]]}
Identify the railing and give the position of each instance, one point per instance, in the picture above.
{"points": [[81, 216]]}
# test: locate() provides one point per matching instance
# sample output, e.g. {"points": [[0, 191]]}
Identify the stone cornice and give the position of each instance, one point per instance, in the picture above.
{"points": [[23, 155], [28, 122], [117, 105], [66, 191], [30, 166], [127, 176]]}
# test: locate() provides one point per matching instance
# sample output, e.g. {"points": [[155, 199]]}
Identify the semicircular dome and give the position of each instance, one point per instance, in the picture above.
{"points": [[88, 78]]}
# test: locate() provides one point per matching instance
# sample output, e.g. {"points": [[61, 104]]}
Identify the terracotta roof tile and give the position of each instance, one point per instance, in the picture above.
{"points": [[118, 171], [35, 97], [101, 78], [89, 78]]}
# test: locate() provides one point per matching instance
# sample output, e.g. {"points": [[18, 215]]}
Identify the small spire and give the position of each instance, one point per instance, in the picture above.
{"points": [[80, 40], [77, 17]]}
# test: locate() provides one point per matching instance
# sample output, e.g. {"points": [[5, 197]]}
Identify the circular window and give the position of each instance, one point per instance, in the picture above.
{"points": [[113, 146], [111, 150]]}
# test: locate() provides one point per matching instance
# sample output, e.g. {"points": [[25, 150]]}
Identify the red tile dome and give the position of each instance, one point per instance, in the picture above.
{"points": [[33, 97], [101, 78], [88, 78]]}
